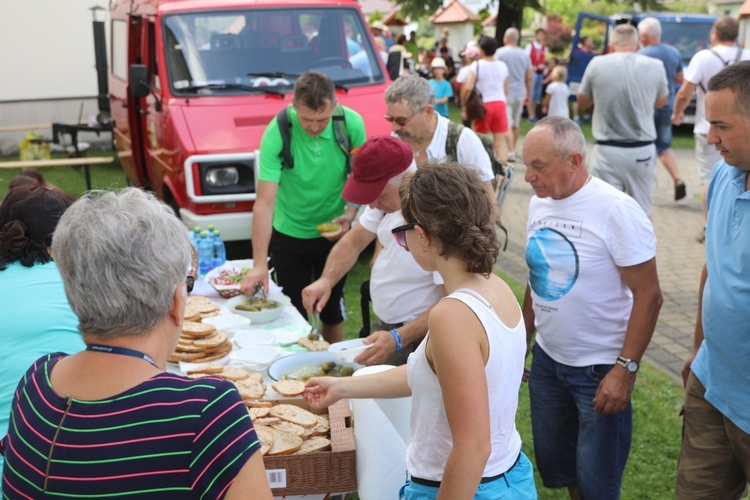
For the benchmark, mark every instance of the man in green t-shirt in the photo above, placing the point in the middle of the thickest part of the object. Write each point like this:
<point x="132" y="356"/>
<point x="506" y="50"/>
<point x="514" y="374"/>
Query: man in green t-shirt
<point x="291" y="202"/>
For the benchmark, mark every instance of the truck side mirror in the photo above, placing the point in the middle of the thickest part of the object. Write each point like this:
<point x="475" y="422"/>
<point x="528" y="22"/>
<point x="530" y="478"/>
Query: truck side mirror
<point x="394" y="64"/>
<point x="138" y="79"/>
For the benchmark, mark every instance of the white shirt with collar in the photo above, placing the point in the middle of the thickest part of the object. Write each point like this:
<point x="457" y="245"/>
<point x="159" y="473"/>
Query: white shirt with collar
<point x="469" y="149"/>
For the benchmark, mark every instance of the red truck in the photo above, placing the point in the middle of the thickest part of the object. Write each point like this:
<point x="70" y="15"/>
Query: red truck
<point x="193" y="84"/>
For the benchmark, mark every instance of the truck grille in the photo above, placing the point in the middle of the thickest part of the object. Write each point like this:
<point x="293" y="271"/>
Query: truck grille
<point x="252" y="121"/>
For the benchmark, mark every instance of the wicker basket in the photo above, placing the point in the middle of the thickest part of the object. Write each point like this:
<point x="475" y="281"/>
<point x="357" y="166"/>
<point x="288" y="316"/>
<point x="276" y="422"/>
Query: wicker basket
<point x="227" y="291"/>
<point x="321" y="472"/>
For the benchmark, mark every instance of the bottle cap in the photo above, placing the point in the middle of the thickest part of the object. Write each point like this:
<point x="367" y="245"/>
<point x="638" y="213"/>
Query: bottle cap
<point x="204" y="234"/>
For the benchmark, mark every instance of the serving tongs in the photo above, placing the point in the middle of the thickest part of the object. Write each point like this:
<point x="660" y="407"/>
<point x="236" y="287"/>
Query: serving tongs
<point x="315" y="322"/>
<point x="258" y="294"/>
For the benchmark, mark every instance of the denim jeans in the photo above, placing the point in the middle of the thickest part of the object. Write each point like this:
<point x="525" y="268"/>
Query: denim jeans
<point x="575" y="446"/>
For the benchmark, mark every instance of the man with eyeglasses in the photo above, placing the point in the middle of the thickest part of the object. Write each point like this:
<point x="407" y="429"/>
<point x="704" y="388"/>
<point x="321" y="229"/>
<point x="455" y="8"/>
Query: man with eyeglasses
<point x="592" y="298"/>
<point x="291" y="202"/>
<point x="402" y="292"/>
<point x="411" y="112"/>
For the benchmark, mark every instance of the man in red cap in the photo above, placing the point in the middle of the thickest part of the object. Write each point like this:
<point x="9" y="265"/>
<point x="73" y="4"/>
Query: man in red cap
<point x="402" y="292"/>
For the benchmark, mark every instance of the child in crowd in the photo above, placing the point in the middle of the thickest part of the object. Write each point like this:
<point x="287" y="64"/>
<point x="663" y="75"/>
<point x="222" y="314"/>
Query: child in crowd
<point x="557" y="94"/>
<point x="441" y="86"/>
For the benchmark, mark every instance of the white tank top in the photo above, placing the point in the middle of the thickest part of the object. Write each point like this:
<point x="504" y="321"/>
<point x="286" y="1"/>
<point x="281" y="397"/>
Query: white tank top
<point x="431" y="440"/>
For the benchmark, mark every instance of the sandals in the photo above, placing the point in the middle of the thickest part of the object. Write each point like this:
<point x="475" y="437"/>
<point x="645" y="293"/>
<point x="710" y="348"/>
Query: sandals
<point x="680" y="190"/>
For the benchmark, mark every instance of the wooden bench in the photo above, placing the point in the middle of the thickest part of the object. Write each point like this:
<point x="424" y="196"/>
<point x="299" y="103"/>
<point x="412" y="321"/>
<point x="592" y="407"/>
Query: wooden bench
<point x="62" y="162"/>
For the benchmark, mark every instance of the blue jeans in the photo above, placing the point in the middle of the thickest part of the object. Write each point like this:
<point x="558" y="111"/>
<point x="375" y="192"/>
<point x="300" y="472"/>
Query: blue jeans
<point x="536" y="86"/>
<point x="516" y="484"/>
<point x="575" y="446"/>
<point x="663" y="123"/>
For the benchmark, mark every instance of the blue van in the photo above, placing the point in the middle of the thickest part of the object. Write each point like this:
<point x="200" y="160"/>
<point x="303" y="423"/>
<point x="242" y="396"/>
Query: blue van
<point x="688" y="33"/>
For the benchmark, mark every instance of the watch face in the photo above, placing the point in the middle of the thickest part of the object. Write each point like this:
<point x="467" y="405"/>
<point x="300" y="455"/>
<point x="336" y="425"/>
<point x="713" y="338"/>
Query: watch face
<point x="631" y="366"/>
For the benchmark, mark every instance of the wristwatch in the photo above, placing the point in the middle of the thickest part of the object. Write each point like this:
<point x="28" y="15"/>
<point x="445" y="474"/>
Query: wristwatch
<point x="630" y="365"/>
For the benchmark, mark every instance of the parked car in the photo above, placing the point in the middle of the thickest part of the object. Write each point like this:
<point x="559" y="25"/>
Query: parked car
<point x="689" y="33"/>
<point x="194" y="83"/>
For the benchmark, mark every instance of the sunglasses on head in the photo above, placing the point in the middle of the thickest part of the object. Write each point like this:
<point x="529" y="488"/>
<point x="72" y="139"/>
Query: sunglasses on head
<point x="399" y="233"/>
<point x="189" y="283"/>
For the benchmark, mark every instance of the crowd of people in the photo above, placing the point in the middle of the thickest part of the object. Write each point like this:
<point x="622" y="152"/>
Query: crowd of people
<point x="95" y="288"/>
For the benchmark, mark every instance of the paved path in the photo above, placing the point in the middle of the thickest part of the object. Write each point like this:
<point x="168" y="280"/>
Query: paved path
<point x="679" y="257"/>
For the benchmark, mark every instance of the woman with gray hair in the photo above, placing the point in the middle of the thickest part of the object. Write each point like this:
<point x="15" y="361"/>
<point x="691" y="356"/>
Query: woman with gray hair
<point x="108" y="421"/>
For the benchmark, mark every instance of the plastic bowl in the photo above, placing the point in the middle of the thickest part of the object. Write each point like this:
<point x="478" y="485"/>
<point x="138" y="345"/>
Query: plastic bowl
<point x="228" y="323"/>
<point x="345" y="352"/>
<point x="264" y="316"/>
<point x="284" y="365"/>
<point x="244" y="338"/>
<point x="256" y="357"/>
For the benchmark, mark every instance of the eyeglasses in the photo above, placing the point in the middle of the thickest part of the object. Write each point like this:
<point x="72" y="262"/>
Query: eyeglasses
<point x="400" y="120"/>
<point x="399" y="233"/>
<point x="189" y="283"/>
<point x="625" y="20"/>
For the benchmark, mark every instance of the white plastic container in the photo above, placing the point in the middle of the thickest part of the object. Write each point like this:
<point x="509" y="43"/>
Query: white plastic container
<point x="257" y="357"/>
<point x="345" y="352"/>
<point x="228" y="323"/>
<point x="245" y="338"/>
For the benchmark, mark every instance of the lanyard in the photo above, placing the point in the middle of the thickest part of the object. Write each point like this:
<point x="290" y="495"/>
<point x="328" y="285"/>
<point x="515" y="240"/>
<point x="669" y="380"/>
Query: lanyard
<point x="123" y="351"/>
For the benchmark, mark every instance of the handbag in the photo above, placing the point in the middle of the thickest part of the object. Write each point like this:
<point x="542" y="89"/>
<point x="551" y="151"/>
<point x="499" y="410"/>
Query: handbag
<point x="475" y="109"/>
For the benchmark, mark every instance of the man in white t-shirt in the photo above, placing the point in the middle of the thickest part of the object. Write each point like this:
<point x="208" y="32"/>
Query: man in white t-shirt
<point x="593" y="299"/>
<point x="402" y="292"/>
<point x="411" y="111"/>
<point x="702" y="67"/>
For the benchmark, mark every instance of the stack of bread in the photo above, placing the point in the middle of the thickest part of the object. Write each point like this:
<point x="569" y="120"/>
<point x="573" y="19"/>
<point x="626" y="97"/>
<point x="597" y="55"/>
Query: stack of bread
<point x="200" y="342"/>
<point x="283" y="429"/>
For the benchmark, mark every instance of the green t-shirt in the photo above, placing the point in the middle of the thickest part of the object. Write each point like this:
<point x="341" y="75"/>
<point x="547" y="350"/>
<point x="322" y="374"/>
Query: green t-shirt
<point x="414" y="49"/>
<point x="310" y="193"/>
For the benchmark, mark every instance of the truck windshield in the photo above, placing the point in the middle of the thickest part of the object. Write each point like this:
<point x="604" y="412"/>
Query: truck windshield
<point x="687" y="37"/>
<point x="230" y="52"/>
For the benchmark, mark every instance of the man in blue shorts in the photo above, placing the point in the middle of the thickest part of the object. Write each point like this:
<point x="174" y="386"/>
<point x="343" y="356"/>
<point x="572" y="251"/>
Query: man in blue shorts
<point x="650" y="34"/>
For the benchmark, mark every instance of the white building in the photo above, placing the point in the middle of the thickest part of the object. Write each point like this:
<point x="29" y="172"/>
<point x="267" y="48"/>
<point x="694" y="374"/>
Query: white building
<point x="48" y="66"/>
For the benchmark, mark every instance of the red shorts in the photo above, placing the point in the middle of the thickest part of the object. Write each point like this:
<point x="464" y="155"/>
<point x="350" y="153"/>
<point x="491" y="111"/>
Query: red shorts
<point x="496" y="119"/>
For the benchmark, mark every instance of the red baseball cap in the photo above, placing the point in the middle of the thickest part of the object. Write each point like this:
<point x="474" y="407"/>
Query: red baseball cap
<point x="376" y="162"/>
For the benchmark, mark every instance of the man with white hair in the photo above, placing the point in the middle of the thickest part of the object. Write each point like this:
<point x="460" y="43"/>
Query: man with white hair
<point x="520" y="77"/>
<point x="625" y="88"/>
<point x="402" y="292"/>
<point x="650" y="34"/>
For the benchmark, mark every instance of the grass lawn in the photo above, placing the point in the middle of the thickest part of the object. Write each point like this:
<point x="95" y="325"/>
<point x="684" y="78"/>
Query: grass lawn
<point x="71" y="179"/>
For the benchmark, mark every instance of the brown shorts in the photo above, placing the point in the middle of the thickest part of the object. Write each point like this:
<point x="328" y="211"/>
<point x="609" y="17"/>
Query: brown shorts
<point x="715" y="456"/>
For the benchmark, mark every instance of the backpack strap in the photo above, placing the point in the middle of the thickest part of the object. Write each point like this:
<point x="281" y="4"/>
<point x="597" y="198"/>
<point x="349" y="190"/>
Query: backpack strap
<point x="451" y="140"/>
<point x="725" y="63"/>
<point x="738" y="56"/>
<point x="285" y="129"/>
<point x="341" y="136"/>
<point x="339" y="131"/>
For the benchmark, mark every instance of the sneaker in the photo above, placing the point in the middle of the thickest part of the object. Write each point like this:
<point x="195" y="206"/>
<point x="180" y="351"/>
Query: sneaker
<point x="587" y="119"/>
<point x="578" y="121"/>
<point x="533" y="119"/>
<point x="512" y="156"/>
<point x="680" y="190"/>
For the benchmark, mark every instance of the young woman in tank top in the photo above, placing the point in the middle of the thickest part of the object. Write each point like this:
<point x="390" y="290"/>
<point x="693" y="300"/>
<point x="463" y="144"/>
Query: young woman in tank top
<point x="465" y="376"/>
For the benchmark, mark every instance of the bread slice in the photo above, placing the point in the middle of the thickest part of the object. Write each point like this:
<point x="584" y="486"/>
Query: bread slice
<point x="250" y="389"/>
<point x="289" y="427"/>
<point x="295" y="415"/>
<point x="259" y="404"/>
<point x="233" y="374"/>
<point x="289" y="388"/>
<point x="269" y="422"/>
<point x="256" y="413"/>
<point x="315" y="443"/>
<point x="193" y="329"/>
<point x="313" y="345"/>
<point x="284" y="443"/>
<point x="265" y="435"/>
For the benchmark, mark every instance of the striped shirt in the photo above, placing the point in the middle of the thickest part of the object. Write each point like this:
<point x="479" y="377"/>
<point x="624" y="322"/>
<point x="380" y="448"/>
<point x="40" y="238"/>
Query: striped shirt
<point x="168" y="437"/>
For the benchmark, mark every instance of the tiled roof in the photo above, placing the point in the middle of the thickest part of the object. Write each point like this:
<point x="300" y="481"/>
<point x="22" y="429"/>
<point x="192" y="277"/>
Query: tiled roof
<point x="745" y="9"/>
<point x="394" y="19"/>
<point x="454" y="12"/>
<point x="490" y="21"/>
<point x="370" y="6"/>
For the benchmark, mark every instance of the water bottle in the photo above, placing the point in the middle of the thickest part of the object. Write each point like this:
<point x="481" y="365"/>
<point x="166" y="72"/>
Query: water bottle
<point x="195" y="236"/>
<point x="205" y="255"/>
<point x="220" y="252"/>
<point x="210" y="235"/>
